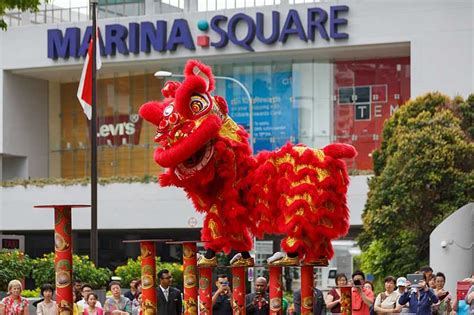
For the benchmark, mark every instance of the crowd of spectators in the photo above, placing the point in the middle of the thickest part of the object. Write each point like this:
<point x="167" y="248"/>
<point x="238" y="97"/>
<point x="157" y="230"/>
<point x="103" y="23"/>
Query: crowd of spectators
<point x="86" y="301"/>
<point x="426" y="296"/>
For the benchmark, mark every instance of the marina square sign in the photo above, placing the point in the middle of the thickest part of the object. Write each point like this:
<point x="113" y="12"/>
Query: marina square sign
<point x="163" y="36"/>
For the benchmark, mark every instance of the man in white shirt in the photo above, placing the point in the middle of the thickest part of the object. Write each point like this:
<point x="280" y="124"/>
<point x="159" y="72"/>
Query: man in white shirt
<point x="85" y="290"/>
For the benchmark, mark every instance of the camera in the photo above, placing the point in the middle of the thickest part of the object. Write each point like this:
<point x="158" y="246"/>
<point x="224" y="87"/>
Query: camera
<point x="357" y="282"/>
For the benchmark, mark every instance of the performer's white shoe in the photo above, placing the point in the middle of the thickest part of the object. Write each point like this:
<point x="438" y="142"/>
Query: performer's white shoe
<point x="275" y="257"/>
<point x="235" y="258"/>
<point x="239" y="261"/>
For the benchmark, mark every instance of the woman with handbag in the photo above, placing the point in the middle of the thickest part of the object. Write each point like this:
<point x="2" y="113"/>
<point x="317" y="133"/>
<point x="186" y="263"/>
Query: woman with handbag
<point x="333" y="298"/>
<point x="386" y="302"/>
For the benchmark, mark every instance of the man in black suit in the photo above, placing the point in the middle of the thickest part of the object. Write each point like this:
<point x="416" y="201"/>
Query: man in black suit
<point x="169" y="298"/>
<point x="258" y="303"/>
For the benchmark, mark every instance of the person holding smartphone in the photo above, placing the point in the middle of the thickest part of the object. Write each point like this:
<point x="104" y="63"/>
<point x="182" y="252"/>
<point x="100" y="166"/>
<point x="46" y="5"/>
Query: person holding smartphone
<point x="420" y="297"/>
<point x="362" y="298"/>
<point x="222" y="297"/>
<point x="444" y="305"/>
<point x="258" y="303"/>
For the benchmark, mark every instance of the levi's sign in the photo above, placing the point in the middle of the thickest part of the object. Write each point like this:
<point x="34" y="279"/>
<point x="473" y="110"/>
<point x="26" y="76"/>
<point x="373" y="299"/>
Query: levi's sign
<point x="118" y="130"/>
<point x="240" y="29"/>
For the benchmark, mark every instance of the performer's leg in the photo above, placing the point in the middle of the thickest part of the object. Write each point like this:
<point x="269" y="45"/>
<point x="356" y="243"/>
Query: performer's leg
<point x="245" y="255"/>
<point x="241" y="241"/>
<point x="209" y="253"/>
<point x="214" y="241"/>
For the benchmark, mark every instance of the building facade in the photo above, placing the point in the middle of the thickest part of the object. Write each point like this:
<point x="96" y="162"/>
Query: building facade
<point x="317" y="72"/>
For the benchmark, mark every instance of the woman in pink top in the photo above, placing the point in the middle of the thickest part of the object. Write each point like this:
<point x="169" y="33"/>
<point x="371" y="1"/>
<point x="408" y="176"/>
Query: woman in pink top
<point x="14" y="304"/>
<point x="91" y="309"/>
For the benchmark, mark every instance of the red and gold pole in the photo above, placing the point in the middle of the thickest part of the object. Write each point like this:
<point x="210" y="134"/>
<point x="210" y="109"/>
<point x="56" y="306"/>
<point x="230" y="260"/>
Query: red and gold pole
<point x="346" y="300"/>
<point x="238" y="290"/>
<point x="148" y="270"/>
<point x="190" y="279"/>
<point x="306" y="290"/>
<point x="63" y="256"/>
<point x="63" y="259"/>
<point x="205" y="291"/>
<point x="276" y="292"/>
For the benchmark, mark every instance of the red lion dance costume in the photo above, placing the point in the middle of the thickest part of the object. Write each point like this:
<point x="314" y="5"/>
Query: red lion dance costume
<point x="296" y="191"/>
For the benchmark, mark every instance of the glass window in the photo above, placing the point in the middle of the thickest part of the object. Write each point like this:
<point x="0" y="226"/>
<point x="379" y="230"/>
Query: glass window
<point x="308" y="102"/>
<point x="125" y="143"/>
<point x="120" y="8"/>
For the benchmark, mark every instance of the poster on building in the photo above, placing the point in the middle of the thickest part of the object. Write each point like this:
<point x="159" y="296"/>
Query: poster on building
<point x="275" y="114"/>
<point x="366" y="94"/>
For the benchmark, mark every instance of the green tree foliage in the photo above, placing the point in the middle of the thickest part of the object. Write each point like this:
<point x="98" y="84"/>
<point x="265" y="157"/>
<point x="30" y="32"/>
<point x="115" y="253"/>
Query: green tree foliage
<point x="83" y="269"/>
<point x="13" y="265"/>
<point x="132" y="270"/>
<point x="16" y="5"/>
<point x="423" y="173"/>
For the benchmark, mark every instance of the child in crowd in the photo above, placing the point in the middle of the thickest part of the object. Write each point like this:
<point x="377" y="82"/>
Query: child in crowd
<point x="47" y="306"/>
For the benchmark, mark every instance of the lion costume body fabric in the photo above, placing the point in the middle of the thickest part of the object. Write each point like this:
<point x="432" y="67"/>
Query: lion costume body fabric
<point x="295" y="191"/>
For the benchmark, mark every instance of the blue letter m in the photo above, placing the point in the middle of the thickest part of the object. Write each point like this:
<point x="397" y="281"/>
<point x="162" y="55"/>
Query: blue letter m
<point x="59" y="46"/>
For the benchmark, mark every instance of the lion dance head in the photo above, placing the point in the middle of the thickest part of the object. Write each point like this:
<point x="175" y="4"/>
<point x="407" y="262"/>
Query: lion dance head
<point x="192" y="128"/>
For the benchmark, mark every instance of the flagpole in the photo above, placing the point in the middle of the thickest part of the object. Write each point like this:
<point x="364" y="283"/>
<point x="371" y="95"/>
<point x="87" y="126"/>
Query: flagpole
<point x="94" y="252"/>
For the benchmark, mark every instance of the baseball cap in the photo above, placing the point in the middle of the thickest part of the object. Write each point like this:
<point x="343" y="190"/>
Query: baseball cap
<point x="401" y="282"/>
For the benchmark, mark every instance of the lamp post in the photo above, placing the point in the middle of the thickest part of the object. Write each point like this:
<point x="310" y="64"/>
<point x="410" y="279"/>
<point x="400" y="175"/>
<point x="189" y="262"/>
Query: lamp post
<point x="167" y="74"/>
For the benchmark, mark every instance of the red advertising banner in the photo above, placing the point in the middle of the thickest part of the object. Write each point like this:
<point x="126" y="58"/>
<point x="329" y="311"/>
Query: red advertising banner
<point x="366" y="93"/>
<point x="118" y="130"/>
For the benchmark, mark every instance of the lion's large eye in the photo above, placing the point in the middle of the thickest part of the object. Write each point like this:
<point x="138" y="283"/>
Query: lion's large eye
<point x="199" y="103"/>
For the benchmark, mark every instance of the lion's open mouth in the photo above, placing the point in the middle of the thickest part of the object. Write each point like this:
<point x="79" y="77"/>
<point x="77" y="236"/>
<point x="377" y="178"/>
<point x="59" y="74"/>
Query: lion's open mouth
<point x="193" y="151"/>
<point x="195" y="162"/>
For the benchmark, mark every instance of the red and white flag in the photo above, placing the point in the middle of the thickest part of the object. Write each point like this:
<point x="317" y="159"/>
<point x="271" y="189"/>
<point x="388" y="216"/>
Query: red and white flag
<point x="84" y="92"/>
